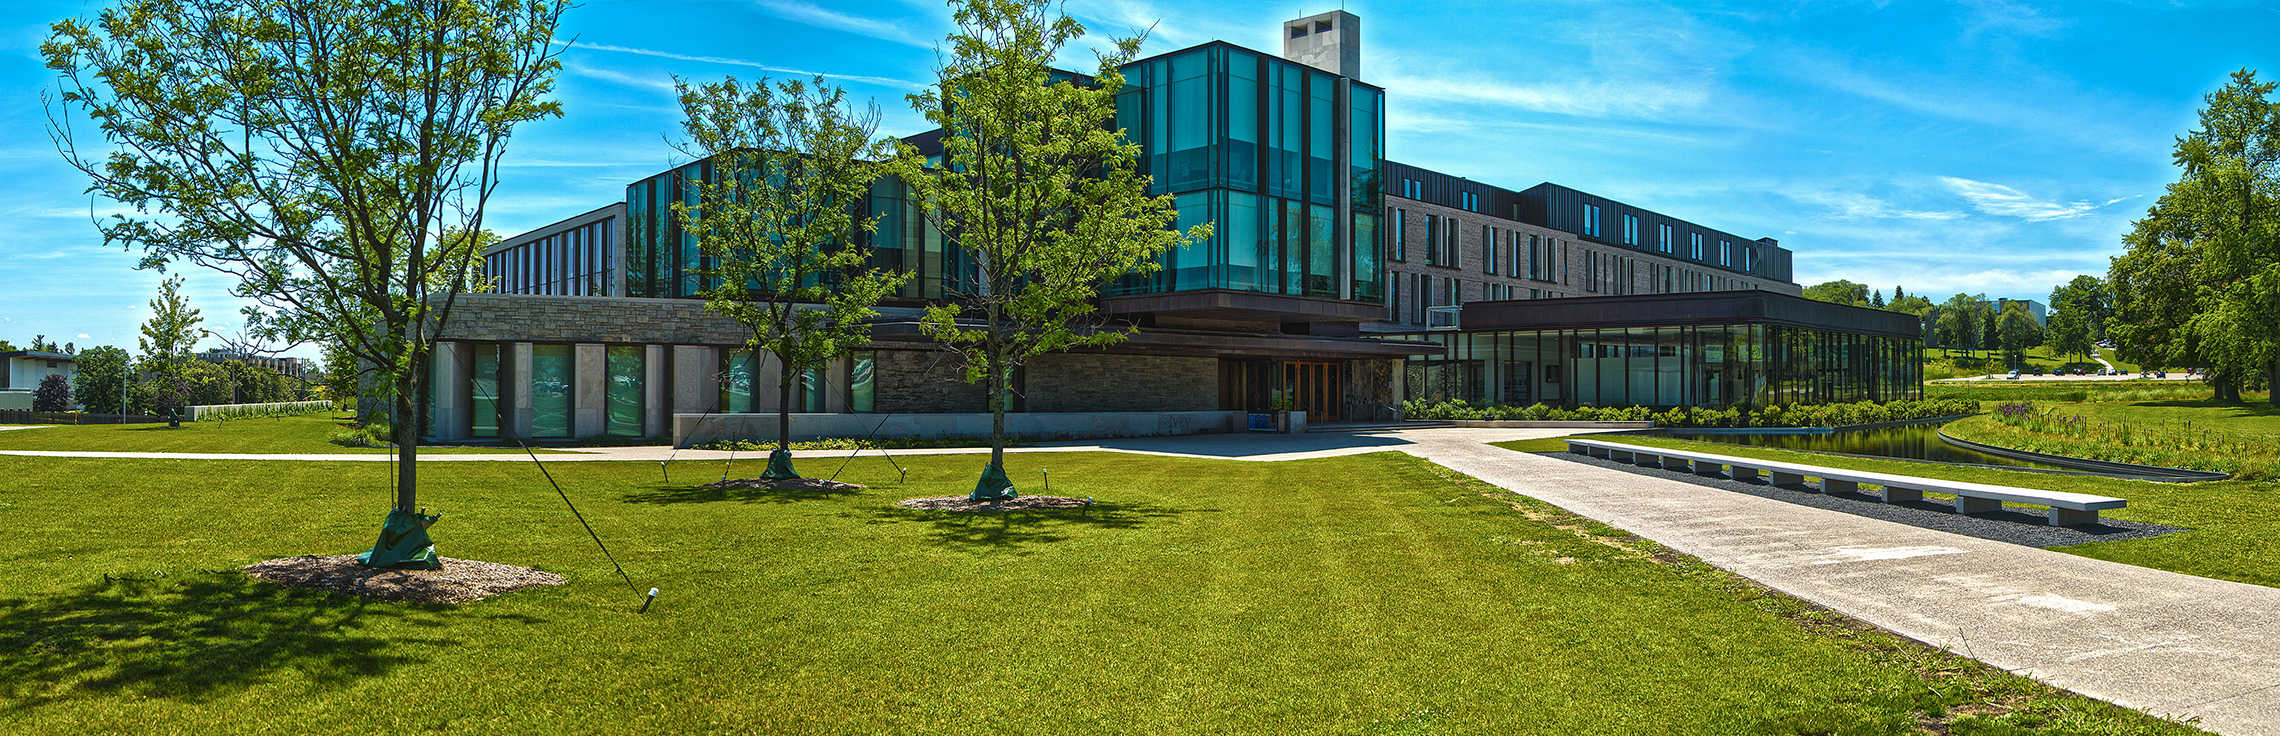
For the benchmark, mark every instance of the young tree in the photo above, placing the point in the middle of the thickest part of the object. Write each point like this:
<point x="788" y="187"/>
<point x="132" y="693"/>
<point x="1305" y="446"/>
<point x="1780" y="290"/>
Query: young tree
<point x="2017" y="331"/>
<point x="100" y="383"/>
<point x="53" y="394"/>
<point x="792" y="164"/>
<point x="1959" y="322"/>
<point x="328" y="153"/>
<point x="1040" y="191"/>
<point x="2200" y="283"/>
<point x="40" y="344"/>
<point x="2078" y="310"/>
<point x="1990" y="327"/>
<point x="1876" y="299"/>
<point x="167" y="339"/>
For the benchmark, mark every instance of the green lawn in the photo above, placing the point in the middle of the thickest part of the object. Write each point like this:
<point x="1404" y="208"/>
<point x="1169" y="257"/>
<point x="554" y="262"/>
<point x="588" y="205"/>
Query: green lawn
<point x="305" y="434"/>
<point x="1939" y="363"/>
<point x="2233" y="526"/>
<point x="1363" y="594"/>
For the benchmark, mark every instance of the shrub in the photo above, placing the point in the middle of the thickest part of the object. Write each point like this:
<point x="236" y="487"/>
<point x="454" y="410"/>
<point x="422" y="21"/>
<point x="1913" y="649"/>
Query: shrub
<point x="368" y="434"/>
<point x="53" y="394"/>
<point x="1779" y="415"/>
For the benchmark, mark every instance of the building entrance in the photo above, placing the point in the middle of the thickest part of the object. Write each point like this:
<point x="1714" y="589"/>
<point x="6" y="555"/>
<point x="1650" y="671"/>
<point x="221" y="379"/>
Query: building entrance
<point x="1316" y="388"/>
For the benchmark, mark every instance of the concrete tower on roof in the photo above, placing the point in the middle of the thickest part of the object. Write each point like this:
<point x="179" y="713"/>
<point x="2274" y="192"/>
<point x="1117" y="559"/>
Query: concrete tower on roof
<point x="1330" y="41"/>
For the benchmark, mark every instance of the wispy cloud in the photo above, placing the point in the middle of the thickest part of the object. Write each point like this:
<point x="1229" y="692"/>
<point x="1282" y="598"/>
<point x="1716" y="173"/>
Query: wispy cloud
<point x="1997" y="199"/>
<point x="729" y="61"/>
<point x="661" y="84"/>
<point x="1599" y="99"/>
<point x="1846" y="205"/>
<point x="808" y="14"/>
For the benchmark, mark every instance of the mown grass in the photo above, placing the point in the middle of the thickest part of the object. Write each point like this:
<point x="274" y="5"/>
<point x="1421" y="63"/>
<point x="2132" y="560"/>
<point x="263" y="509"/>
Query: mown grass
<point x="1362" y="594"/>
<point x="304" y="434"/>
<point x="2232" y="526"/>
<point x="1940" y="363"/>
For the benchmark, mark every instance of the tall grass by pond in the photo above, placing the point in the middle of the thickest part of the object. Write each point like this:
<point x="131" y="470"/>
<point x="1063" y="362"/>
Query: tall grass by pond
<point x="1791" y="415"/>
<point x="2101" y="391"/>
<point x="2075" y="432"/>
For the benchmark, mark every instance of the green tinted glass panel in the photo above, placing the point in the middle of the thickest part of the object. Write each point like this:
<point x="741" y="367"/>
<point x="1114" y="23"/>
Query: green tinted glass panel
<point x="550" y="375"/>
<point x="862" y="384"/>
<point x="812" y="390"/>
<point x="627" y="372"/>
<point x="1322" y="251"/>
<point x="1369" y="275"/>
<point x="736" y="381"/>
<point x="483" y="388"/>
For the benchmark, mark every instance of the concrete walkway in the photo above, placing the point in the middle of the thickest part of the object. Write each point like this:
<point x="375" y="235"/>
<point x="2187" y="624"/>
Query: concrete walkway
<point x="2162" y="642"/>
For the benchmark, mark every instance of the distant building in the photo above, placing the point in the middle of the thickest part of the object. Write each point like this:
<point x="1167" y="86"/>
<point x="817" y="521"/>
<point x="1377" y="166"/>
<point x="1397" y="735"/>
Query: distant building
<point x="22" y="370"/>
<point x="294" y="368"/>
<point x="2034" y="308"/>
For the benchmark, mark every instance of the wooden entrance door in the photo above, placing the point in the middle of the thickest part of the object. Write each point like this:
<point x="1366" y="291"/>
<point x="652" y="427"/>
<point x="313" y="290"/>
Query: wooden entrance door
<point x="1315" y="388"/>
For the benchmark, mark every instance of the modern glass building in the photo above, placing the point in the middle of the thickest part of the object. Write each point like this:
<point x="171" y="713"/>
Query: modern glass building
<point x="1717" y="349"/>
<point x="1313" y="293"/>
<point x="1285" y="159"/>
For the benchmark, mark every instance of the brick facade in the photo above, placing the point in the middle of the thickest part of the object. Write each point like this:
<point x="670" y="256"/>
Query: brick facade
<point x="1567" y="270"/>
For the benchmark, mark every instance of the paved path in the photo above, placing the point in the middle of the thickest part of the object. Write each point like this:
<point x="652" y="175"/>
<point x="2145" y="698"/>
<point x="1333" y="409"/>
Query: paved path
<point x="2158" y="641"/>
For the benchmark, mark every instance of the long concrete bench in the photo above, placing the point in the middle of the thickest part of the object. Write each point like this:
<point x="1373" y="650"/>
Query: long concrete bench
<point x="2066" y="509"/>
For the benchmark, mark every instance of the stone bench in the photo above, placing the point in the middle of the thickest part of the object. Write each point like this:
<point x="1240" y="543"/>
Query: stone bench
<point x="2066" y="509"/>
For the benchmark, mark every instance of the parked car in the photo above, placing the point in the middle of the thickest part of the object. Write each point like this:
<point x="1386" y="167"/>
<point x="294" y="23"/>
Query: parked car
<point x="2161" y="374"/>
<point x="2013" y="377"/>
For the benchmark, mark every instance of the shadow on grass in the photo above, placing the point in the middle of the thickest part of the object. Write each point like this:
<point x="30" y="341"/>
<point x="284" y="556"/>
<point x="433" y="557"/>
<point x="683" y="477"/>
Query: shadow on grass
<point x="1016" y="529"/>
<point x="701" y="494"/>
<point x="192" y="637"/>
<point x="2257" y="408"/>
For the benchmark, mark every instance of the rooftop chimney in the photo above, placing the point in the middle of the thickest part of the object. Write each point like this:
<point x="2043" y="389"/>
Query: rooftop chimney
<point x="1331" y="42"/>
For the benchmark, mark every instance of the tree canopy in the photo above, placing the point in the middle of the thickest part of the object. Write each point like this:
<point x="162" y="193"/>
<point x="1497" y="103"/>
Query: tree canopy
<point x="1040" y="192"/>
<point x="2200" y="282"/>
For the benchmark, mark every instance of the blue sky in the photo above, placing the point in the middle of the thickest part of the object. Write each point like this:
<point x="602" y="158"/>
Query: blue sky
<point x="1995" y="146"/>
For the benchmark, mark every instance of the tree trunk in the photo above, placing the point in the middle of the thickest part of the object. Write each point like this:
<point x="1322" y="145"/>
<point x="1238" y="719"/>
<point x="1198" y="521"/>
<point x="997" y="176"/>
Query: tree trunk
<point x="407" y="431"/>
<point x="2272" y="383"/>
<point x="783" y="405"/>
<point x="999" y="384"/>
<point x="2227" y="387"/>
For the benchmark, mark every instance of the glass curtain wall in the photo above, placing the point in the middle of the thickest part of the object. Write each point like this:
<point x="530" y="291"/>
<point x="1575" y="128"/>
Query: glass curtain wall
<point x="483" y="390"/>
<point x="550" y="382"/>
<point x="1251" y="143"/>
<point x="1710" y="366"/>
<point x="627" y="373"/>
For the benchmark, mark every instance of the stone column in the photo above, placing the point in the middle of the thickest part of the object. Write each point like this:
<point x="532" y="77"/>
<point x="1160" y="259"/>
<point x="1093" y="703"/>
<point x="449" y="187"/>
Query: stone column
<point x="447" y="382"/>
<point x="656" y="406"/>
<point x="695" y="389"/>
<point x="835" y="382"/>
<point x="518" y="376"/>
<point x="589" y="397"/>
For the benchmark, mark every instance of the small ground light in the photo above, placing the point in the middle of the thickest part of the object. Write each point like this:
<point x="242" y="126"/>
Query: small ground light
<point x="652" y="598"/>
<point x="1048" y="477"/>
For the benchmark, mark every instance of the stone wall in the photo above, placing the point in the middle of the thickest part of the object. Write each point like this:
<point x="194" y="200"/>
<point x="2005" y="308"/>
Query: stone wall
<point x="1372" y="394"/>
<point x="924" y="382"/>
<point x="1097" y="382"/>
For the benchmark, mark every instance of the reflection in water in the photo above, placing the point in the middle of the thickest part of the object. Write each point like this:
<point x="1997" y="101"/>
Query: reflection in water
<point x="1910" y="441"/>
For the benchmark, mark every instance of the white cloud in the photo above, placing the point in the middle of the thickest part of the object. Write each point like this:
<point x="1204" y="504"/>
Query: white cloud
<point x="1997" y="199"/>
<point x="729" y="61"/>
<point x="1858" y="206"/>
<point x="1593" y="99"/>
<point x="808" y="14"/>
<point x="82" y="336"/>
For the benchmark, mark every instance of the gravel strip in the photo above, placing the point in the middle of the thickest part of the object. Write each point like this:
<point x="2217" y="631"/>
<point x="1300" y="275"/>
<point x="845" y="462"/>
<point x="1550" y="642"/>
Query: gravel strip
<point x="1018" y="503"/>
<point x="460" y="581"/>
<point x="2024" y="525"/>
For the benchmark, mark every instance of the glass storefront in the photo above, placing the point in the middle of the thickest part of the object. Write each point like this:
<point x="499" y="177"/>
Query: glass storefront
<point x="1713" y="366"/>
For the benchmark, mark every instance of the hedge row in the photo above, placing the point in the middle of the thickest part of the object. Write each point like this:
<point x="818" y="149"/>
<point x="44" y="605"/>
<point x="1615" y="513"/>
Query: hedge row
<point x="1793" y="415"/>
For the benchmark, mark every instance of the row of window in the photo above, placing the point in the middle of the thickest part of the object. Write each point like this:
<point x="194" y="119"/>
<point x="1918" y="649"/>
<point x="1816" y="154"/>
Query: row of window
<point x="1665" y="240"/>
<point x="1426" y="291"/>
<point x="572" y="262"/>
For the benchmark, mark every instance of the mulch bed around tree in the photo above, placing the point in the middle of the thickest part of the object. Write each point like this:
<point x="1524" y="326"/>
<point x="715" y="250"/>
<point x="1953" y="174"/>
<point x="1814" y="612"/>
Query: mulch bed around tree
<point x="787" y="484"/>
<point x="1017" y="503"/>
<point x="460" y="581"/>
